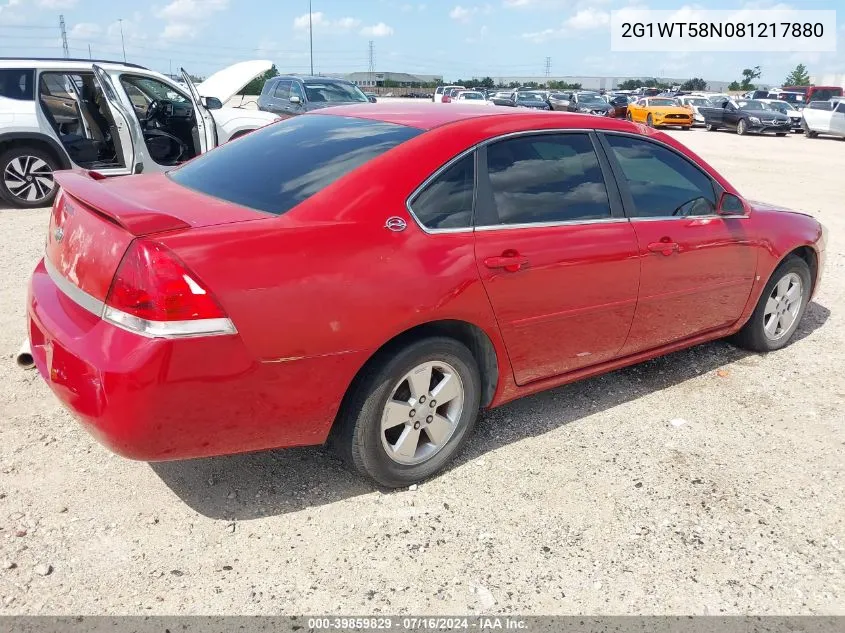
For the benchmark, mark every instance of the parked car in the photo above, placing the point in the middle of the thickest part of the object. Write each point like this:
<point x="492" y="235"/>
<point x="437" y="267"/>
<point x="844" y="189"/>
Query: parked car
<point x="503" y="98"/>
<point x="471" y="97"/>
<point x="816" y="93"/>
<point x="746" y="116"/>
<point x="824" y="117"/>
<point x="589" y="103"/>
<point x="290" y="95"/>
<point x="236" y="312"/>
<point x="560" y="101"/>
<point x="786" y="108"/>
<point x="115" y="118"/>
<point x="795" y="98"/>
<point x="372" y="97"/>
<point x="442" y="90"/>
<point x="659" y="112"/>
<point x="618" y="106"/>
<point x="531" y="100"/>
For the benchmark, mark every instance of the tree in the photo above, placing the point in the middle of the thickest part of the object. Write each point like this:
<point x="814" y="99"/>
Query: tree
<point x="748" y="75"/>
<point x="487" y="82"/>
<point x="798" y="77"/>
<point x="255" y="86"/>
<point x="562" y="85"/>
<point x="734" y="86"/>
<point x="694" y="84"/>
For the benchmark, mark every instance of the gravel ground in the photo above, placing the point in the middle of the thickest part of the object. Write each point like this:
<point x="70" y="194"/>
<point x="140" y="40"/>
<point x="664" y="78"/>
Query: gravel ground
<point x="709" y="481"/>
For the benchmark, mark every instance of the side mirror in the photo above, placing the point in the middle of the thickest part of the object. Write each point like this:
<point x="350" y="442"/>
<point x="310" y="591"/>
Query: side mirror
<point x="372" y="99"/>
<point x="296" y="100"/>
<point x="212" y="103"/>
<point x="730" y="204"/>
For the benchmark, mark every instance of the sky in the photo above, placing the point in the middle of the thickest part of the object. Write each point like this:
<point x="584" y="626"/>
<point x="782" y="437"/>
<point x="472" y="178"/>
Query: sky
<point x="455" y="39"/>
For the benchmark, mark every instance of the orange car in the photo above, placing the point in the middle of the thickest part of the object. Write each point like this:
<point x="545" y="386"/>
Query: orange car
<point x="660" y="111"/>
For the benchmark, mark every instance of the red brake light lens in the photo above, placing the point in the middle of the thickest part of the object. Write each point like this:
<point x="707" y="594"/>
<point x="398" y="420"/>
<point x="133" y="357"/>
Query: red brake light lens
<point x="154" y="293"/>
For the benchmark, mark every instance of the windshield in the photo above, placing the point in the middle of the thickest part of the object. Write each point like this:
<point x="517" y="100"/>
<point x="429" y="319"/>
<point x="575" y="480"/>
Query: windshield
<point x="752" y="105"/>
<point x="278" y="166"/>
<point x="333" y="92"/>
<point x="590" y="99"/>
<point x="781" y="106"/>
<point x="791" y="97"/>
<point x="662" y="102"/>
<point x="527" y="96"/>
<point x="153" y="89"/>
<point x="698" y="101"/>
<point x="472" y="95"/>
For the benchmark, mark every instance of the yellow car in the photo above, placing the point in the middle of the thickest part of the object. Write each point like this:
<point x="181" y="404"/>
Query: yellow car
<point x="660" y="111"/>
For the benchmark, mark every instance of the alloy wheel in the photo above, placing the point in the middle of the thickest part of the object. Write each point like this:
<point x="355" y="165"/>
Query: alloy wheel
<point x="783" y="307"/>
<point x="422" y="413"/>
<point x="29" y="178"/>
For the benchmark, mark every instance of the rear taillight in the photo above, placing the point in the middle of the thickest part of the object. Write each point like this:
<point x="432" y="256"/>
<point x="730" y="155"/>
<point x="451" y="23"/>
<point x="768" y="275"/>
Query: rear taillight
<point x="447" y="99"/>
<point x="154" y="294"/>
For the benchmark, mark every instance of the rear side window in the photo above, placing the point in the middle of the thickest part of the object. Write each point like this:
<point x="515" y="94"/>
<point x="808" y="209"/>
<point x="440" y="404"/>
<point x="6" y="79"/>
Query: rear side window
<point x="275" y="168"/>
<point x="17" y="83"/>
<point x="820" y="105"/>
<point x="446" y="202"/>
<point x="662" y="183"/>
<point x="841" y="107"/>
<point x="546" y="178"/>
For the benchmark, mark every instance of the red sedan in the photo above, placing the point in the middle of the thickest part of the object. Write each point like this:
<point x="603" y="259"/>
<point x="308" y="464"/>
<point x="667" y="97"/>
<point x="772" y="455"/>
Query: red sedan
<point x="374" y="275"/>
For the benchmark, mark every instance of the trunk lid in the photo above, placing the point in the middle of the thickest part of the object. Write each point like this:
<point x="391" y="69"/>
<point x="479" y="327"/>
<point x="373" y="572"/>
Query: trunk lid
<point x="94" y="221"/>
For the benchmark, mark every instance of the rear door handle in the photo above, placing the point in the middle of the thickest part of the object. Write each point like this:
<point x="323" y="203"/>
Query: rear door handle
<point x="667" y="248"/>
<point x="511" y="261"/>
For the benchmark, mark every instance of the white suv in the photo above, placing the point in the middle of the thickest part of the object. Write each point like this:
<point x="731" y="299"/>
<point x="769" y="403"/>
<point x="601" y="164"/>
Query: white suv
<point x="113" y="118"/>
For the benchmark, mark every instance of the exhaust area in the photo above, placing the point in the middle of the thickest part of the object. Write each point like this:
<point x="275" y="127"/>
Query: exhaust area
<point x="24" y="356"/>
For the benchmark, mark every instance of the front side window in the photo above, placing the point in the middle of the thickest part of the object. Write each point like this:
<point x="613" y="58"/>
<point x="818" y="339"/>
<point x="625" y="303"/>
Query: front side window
<point x="546" y="178"/>
<point x="446" y="202"/>
<point x="333" y="91"/>
<point x="278" y="166"/>
<point x="662" y="183"/>
<point x="17" y="83"/>
<point x="296" y="90"/>
<point x="282" y="90"/>
<point x="841" y="107"/>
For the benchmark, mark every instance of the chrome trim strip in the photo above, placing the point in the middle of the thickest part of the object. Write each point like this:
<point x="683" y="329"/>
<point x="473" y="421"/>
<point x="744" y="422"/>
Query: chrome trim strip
<point x="168" y="329"/>
<point x="130" y="323"/>
<point x="427" y="181"/>
<point x="663" y="218"/>
<point x="543" y="225"/>
<point x="73" y="292"/>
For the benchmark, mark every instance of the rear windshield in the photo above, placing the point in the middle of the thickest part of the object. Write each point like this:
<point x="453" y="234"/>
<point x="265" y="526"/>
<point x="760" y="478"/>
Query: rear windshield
<point x="277" y="167"/>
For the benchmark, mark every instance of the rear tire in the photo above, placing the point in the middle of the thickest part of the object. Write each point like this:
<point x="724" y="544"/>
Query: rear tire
<point x="685" y="127"/>
<point x="780" y="133"/>
<point x="26" y="177"/>
<point x="776" y="303"/>
<point x="629" y="117"/>
<point x="382" y="430"/>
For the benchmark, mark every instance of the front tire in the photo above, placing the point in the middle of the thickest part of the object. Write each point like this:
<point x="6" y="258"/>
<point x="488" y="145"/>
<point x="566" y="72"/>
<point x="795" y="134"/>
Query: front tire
<point x="411" y="412"/>
<point x="710" y="127"/>
<point x="780" y="308"/>
<point x="649" y="121"/>
<point x="26" y="177"/>
<point x="742" y="127"/>
<point x="780" y="134"/>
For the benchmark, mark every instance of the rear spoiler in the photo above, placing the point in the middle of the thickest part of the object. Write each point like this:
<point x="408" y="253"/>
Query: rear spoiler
<point x="84" y="186"/>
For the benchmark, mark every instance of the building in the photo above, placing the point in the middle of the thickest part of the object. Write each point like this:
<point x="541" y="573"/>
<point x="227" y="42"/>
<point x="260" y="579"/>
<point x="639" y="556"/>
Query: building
<point x="828" y="80"/>
<point x="398" y="80"/>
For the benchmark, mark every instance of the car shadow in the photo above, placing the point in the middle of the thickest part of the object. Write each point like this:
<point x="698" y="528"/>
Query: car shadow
<point x="270" y="483"/>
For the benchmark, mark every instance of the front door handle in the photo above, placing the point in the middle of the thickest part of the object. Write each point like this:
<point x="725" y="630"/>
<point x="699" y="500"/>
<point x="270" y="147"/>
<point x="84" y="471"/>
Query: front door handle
<point x="666" y="247"/>
<point x="511" y="261"/>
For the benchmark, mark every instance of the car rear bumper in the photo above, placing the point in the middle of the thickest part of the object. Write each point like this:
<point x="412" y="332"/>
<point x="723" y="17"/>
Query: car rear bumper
<point x="157" y="399"/>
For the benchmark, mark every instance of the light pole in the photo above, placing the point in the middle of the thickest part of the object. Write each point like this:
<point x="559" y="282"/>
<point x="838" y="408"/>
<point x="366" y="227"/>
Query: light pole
<point x="122" y="43"/>
<point x="310" y="37"/>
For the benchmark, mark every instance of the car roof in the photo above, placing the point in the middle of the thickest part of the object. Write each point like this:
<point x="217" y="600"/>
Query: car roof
<point x="60" y="62"/>
<point x="427" y="116"/>
<point x="311" y="78"/>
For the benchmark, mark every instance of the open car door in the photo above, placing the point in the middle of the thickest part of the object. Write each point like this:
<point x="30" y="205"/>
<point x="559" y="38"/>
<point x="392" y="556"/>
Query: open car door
<point x="129" y="136"/>
<point x="206" y="126"/>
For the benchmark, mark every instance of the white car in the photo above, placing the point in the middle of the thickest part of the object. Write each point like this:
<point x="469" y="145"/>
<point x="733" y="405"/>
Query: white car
<point x="471" y="97"/>
<point x="113" y="118"/>
<point x="443" y="90"/>
<point x="784" y="107"/>
<point x="695" y="102"/>
<point x="824" y="117"/>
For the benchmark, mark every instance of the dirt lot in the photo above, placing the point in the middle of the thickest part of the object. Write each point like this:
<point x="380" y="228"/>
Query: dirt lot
<point x="710" y="481"/>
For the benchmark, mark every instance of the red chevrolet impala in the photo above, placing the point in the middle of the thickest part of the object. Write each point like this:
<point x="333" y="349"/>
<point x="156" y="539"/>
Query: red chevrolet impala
<point x="374" y="275"/>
